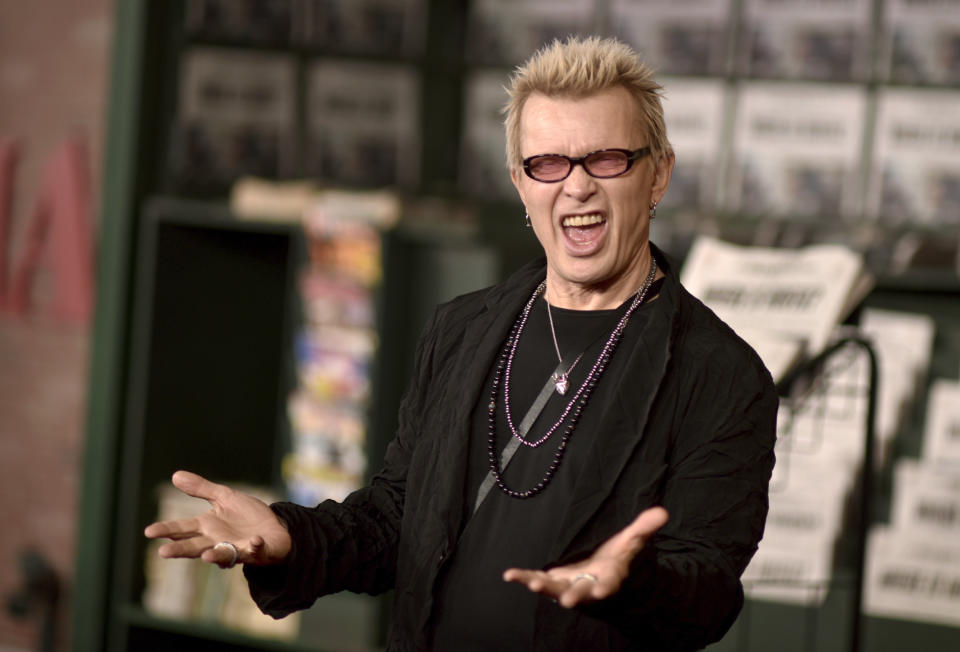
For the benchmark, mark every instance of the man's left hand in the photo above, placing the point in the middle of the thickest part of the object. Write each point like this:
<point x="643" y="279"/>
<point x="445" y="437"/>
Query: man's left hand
<point x="601" y="574"/>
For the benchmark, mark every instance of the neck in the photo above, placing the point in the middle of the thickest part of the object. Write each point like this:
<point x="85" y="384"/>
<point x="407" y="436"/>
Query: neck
<point x="606" y="295"/>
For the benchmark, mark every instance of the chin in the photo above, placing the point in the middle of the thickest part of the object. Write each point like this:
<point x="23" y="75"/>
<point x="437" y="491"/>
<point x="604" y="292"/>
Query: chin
<point x="585" y="279"/>
<point x="585" y="272"/>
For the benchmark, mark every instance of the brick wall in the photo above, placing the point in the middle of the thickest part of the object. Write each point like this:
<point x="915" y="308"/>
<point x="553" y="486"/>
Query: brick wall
<point x="53" y="84"/>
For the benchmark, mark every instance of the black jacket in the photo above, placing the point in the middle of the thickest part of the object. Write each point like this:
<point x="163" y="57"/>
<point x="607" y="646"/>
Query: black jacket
<point x="700" y="443"/>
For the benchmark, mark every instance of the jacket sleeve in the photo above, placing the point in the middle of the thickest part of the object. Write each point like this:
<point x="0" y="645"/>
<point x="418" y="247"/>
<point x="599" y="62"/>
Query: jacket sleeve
<point x="684" y="589"/>
<point x="350" y="545"/>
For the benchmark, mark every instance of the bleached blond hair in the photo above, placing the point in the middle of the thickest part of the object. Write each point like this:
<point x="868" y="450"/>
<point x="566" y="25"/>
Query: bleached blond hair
<point x="580" y="67"/>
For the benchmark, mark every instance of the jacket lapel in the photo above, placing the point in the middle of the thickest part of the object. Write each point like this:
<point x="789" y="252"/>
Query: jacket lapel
<point x="622" y="428"/>
<point x="482" y="340"/>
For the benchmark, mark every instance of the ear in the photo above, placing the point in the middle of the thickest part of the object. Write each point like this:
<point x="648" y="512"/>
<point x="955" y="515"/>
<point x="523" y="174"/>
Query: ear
<point x="516" y="177"/>
<point x="661" y="178"/>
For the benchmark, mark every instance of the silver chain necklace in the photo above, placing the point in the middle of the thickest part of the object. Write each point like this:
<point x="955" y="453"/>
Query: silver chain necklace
<point x="561" y="378"/>
<point x="588" y="383"/>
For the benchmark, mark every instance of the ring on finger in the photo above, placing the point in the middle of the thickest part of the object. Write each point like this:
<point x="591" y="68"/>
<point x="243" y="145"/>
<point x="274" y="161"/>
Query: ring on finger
<point x="583" y="576"/>
<point x="233" y="549"/>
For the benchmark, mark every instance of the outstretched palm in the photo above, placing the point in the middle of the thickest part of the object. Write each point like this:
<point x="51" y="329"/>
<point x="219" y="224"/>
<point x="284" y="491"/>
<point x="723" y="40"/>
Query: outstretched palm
<point x="235" y="517"/>
<point x="600" y="575"/>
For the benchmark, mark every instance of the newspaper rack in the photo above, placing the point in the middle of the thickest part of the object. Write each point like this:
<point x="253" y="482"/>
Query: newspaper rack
<point x="802" y="384"/>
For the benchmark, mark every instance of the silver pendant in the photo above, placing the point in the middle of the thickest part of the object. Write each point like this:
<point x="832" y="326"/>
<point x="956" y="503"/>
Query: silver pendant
<point x="560" y="383"/>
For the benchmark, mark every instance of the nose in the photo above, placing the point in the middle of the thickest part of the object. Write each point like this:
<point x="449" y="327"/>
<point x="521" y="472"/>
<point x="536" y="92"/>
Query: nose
<point x="579" y="184"/>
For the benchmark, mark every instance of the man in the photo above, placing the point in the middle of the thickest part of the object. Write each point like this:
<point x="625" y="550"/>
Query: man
<point x="584" y="450"/>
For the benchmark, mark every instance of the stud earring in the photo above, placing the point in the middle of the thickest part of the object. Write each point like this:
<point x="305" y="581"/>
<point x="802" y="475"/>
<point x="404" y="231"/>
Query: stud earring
<point x="653" y="210"/>
<point x="526" y="216"/>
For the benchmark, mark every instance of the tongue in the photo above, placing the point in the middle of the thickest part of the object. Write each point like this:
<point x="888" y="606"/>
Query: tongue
<point x="581" y="234"/>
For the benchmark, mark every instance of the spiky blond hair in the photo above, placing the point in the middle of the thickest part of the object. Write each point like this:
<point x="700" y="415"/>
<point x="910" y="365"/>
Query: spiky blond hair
<point x="580" y="67"/>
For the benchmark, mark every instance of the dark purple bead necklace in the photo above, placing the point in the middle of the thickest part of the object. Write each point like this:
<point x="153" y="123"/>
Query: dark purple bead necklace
<point x="573" y="409"/>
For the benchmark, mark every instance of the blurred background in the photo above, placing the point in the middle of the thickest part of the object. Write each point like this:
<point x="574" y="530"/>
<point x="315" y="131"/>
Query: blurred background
<point x="223" y="223"/>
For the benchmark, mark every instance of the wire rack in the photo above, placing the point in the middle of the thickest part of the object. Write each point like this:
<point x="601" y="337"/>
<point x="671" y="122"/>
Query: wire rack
<point x="828" y="413"/>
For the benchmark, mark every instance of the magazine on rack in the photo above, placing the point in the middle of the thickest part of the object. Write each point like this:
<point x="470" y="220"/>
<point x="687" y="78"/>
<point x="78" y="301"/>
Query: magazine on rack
<point x="676" y="38"/>
<point x="263" y="22"/>
<point x="388" y="27"/>
<point x="920" y="42"/>
<point x="807" y="39"/>
<point x="507" y="31"/>
<point x="797" y="150"/>
<point x="695" y="112"/>
<point x="483" y="170"/>
<point x="785" y="303"/>
<point x="363" y="123"/>
<point x="236" y="115"/>
<point x="915" y="171"/>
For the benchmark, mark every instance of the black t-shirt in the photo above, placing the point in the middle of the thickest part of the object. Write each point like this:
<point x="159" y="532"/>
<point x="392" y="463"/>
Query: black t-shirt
<point x="475" y="609"/>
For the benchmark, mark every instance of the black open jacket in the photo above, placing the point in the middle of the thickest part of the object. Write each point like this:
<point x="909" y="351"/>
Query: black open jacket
<point x="700" y="443"/>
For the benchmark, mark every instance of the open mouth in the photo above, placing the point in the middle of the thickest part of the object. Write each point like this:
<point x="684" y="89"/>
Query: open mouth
<point x="583" y="220"/>
<point x="583" y="234"/>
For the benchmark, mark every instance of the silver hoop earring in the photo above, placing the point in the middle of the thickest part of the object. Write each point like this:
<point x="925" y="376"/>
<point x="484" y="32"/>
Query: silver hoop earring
<point x="653" y="210"/>
<point x="526" y="216"/>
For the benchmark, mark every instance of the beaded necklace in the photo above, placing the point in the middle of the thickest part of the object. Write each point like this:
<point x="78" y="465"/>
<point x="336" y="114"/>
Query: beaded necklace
<point x="573" y="408"/>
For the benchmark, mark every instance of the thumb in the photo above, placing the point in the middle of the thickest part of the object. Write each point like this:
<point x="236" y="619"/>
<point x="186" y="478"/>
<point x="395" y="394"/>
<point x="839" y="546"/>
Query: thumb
<point x="644" y="526"/>
<point x="258" y="548"/>
<point x="197" y="486"/>
<point x="649" y="521"/>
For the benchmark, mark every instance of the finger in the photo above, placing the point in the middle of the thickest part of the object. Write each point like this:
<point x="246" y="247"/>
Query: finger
<point x="222" y="556"/>
<point x="520" y="575"/>
<point x="187" y="548"/>
<point x="632" y="537"/>
<point x="179" y="529"/>
<point x="537" y="581"/>
<point x="580" y="591"/>
<point x="198" y="486"/>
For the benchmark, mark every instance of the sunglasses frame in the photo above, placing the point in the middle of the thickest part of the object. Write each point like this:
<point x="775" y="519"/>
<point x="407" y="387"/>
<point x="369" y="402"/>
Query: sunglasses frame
<point x="631" y="154"/>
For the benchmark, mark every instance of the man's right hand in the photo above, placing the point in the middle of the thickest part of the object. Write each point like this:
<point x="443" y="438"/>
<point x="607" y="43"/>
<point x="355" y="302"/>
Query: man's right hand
<point x="235" y="517"/>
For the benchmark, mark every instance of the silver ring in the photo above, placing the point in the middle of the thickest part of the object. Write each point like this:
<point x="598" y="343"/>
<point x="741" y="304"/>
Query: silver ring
<point x="584" y="576"/>
<point x="227" y="544"/>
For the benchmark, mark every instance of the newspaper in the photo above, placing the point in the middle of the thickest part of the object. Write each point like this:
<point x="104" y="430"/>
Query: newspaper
<point x="903" y="342"/>
<point x="919" y="41"/>
<point x="363" y="123"/>
<point x="784" y="296"/>
<point x="797" y="150"/>
<point x="820" y="445"/>
<point x="915" y="168"/>
<point x="784" y="570"/>
<point x="236" y="115"/>
<point x="507" y="31"/>
<point x="805" y="465"/>
<point x="807" y="39"/>
<point x="926" y="499"/>
<point x="695" y="113"/>
<point x="912" y="577"/>
<point x="483" y="168"/>
<point x="676" y="38"/>
<point x="809" y="504"/>
<point x="913" y="565"/>
<point x="941" y="440"/>
<point x="827" y="422"/>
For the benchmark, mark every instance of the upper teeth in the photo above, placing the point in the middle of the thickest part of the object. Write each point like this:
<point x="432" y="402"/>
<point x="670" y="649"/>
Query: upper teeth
<point x="583" y="220"/>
